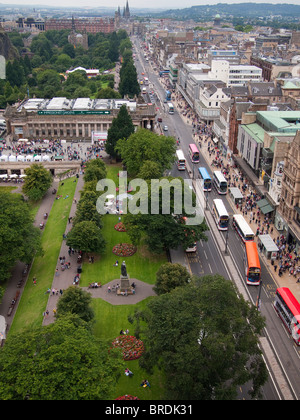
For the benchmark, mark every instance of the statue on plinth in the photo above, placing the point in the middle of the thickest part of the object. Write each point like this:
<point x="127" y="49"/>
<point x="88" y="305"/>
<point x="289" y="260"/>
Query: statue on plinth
<point x="125" y="284"/>
<point x="123" y="269"/>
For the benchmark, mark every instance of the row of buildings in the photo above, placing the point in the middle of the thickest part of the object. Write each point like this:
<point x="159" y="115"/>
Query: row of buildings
<point x="247" y="87"/>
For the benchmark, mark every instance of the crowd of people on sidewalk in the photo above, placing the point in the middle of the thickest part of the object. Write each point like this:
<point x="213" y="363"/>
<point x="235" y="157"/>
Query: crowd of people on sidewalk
<point x="287" y="260"/>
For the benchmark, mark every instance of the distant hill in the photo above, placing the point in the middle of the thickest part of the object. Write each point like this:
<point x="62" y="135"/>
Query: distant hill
<point x="246" y="10"/>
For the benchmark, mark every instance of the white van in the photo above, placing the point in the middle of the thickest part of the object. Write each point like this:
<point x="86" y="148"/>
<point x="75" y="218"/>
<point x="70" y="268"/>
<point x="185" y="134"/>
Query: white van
<point x="192" y="248"/>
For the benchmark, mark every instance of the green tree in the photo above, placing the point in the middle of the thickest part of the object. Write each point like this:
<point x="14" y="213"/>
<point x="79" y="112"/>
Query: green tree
<point x="86" y="209"/>
<point x="87" y="237"/>
<point x="76" y="301"/>
<point x="62" y="361"/>
<point x="19" y="239"/>
<point x="108" y="93"/>
<point x="121" y="128"/>
<point x="95" y="170"/>
<point x="205" y="338"/>
<point x="170" y="276"/>
<point x="48" y="79"/>
<point x="37" y="182"/>
<point x="161" y="222"/>
<point x="144" y="145"/>
<point x="129" y="84"/>
<point x="113" y="50"/>
<point x="150" y="170"/>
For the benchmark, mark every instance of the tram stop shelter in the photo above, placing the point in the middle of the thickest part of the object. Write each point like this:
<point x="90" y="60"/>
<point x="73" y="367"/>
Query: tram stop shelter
<point x="269" y="248"/>
<point x="236" y="195"/>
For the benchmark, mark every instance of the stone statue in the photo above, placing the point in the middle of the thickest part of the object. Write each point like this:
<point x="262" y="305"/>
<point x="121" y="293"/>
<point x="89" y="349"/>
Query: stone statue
<point x="123" y="269"/>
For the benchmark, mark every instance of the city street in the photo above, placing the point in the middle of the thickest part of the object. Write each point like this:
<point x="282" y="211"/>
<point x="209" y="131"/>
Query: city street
<point x="209" y="258"/>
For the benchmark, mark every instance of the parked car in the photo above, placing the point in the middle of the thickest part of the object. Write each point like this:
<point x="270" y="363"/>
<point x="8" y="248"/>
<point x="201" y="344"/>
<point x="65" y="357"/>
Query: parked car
<point x="166" y="128"/>
<point x="159" y="119"/>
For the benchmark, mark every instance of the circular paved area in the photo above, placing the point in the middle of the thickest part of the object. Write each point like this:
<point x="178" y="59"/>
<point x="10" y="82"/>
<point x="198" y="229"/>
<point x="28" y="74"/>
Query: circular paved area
<point x="142" y="291"/>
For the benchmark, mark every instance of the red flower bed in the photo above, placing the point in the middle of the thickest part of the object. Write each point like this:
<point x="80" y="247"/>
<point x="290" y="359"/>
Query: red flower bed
<point x="127" y="397"/>
<point x="124" y="250"/>
<point x="131" y="347"/>
<point x="120" y="227"/>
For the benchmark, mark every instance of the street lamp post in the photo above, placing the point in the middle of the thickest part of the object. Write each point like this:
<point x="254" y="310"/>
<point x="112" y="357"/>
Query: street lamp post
<point x="258" y="300"/>
<point x="226" y="238"/>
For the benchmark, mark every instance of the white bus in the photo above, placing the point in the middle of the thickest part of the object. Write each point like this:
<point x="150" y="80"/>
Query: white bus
<point x="220" y="214"/>
<point x="170" y="108"/>
<point x="242" y="228"/>
<point x="220" y="182"/>
<point x="181" y="162"/>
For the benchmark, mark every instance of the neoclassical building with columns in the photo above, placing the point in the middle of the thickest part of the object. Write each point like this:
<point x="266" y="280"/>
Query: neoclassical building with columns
<point x="72" y="119"/>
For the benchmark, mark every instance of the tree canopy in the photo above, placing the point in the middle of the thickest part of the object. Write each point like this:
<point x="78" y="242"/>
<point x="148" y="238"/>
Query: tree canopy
<point x="37" y="182"/>
<point x="61" y="361"/>
<point x="87" y="237"/>
<point x="205" y="339"/>
<point x="121" y="128"/>
<point x="145" y="145"/>
<point x="19" y="239"/>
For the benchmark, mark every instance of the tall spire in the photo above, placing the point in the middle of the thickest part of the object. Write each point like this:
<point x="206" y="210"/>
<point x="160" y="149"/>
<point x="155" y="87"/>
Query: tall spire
<point x="127" y="12"/>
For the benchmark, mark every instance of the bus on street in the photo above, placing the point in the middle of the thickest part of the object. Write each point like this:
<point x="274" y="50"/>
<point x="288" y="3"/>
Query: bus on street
<point x="164" y="73"/>
<point x="170" y="108"/>
<point x="242" y="228"/>
<point x="220" y="213"/>
<point x="220" y="182"/>
<point x="168" y="95"/>
<point x="288" y="309"/>
<point x="252" y="264"/>
<point x="194" y="153"/>
<point x="181" y="162"/>
<point x="204" y="175"/>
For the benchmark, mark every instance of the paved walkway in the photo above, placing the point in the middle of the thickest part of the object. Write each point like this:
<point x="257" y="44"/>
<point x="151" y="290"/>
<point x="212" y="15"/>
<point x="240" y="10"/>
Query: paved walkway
<point x="65" y="278"/>
<point x="11" y="287"/>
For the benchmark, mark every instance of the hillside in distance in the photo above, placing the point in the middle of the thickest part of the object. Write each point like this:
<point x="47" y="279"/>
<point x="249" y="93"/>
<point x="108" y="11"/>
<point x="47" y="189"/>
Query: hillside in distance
<point x="246" y="10"/>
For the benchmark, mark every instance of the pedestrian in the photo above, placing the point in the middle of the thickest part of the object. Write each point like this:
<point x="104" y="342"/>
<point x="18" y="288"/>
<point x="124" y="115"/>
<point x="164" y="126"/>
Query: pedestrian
<point x="54" y="311"/>
<point x="56" y="273"/>
<point x="34" y="280"/>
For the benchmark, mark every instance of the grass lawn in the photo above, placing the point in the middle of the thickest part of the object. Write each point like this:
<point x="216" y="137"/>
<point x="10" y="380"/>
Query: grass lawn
<point x="110" y="319"/>
<point x="142" y="265"/>
<point x="34" y="300"/>
<point x="8" y="188"/>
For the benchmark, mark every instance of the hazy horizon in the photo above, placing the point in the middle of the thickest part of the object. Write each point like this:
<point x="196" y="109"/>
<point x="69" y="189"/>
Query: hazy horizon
<point x="138" y="4"/>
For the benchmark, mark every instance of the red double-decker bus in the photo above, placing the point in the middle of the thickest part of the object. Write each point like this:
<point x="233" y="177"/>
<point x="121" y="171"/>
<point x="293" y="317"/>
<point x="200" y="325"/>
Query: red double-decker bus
<point x="252" y="264"/>
<point x="288" y="308"/>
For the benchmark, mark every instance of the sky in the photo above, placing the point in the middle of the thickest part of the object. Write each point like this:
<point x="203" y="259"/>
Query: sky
<point x="161" y="4"/>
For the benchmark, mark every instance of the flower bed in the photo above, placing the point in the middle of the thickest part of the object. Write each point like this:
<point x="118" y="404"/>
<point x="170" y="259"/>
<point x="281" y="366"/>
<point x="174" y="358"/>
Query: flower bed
<point x="131" y="347"/>
<point x="124" y="250"/>
<point x="127" y="397"/>
<point x="120" y="227"/>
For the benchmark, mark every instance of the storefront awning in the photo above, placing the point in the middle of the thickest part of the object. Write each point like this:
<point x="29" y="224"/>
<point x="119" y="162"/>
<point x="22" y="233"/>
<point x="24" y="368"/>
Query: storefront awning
<point x="265" y="206"/>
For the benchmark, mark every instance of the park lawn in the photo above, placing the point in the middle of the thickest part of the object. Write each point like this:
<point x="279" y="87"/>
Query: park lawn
<point x="109" y="320"/>
<point x="8" y="188"/>
<point x="34" y="300"/>
<point x="143" y="265"/>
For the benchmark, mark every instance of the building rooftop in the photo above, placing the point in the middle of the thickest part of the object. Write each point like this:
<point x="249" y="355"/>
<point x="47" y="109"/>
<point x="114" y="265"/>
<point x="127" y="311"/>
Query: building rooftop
<point x="79" y="104"/>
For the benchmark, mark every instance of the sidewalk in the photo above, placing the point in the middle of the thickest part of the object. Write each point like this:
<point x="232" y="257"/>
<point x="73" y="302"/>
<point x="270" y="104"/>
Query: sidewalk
<point x="16" y="275"/>
<point x="285" y="280"/>
<point x="63" y="279"/>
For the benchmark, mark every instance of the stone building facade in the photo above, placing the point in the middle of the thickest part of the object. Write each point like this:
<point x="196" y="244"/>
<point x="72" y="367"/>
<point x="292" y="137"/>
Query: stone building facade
<point x="72" y="120"/>
<point x="289" y="207"/>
